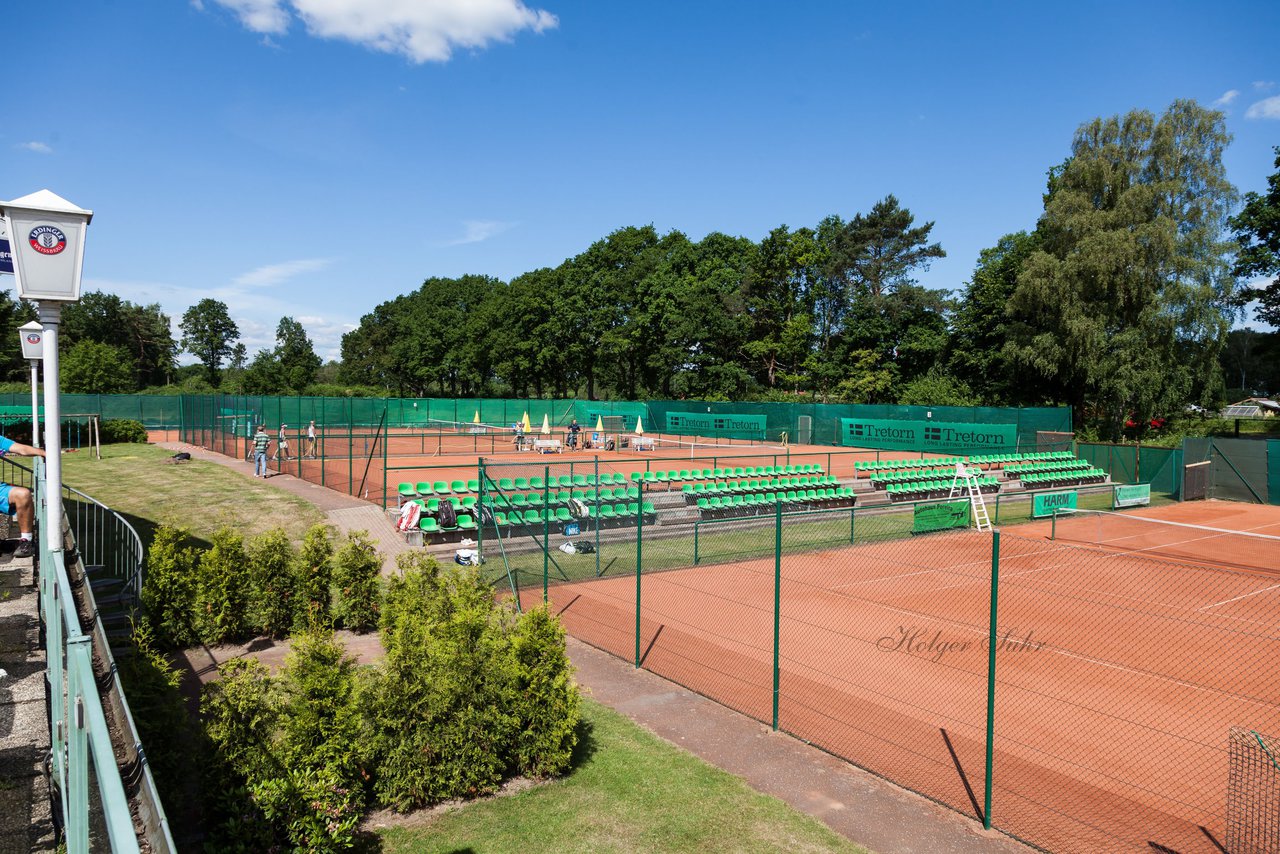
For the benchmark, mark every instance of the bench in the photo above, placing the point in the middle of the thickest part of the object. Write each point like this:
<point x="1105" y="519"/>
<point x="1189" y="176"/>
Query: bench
<point x="548" y="446"/>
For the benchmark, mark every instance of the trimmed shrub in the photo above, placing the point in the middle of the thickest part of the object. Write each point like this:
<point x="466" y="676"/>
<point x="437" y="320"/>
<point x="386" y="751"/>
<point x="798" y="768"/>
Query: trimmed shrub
<point x="314" y="572"/>
<point x="548" y="703"/>
<point x="272" y="558"/>
<point x="443" y="719"/>
<point x="222" y="599"/>
<point x="169" y="589"/>
<point x="289" y="748"/>
<point x="116" y="431"/>
<point x="357" y="569"/>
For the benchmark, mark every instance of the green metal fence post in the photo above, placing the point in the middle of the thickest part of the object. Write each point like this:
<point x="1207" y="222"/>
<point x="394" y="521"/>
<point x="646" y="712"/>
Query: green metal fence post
<point x="479" y="505"/>
<point x="596" y="521"/>
<point x="852" y="510"/>
<point x="991" y="677"/>
<point x="697" y="523"/>
<point x="546" y="533"/>
<point x="639" y="563"/>
<point x="777" y="607"/>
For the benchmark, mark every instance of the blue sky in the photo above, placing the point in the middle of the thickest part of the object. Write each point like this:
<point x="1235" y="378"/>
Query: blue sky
<point x="313" y="158"/>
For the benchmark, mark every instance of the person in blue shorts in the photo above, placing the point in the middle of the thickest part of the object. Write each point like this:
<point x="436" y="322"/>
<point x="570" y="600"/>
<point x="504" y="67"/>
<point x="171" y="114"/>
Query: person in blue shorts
<point x="16" y="500"/>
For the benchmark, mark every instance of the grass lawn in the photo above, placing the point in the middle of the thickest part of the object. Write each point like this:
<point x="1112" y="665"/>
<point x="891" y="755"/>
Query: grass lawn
<point x="135" y="481"/>
<point x="629" y="791"/>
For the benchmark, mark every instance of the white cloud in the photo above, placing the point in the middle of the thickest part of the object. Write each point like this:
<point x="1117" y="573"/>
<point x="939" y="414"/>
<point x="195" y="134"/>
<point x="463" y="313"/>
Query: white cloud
<point x="1268" y="108"/>
<point x="421" y="30"/>
<point x="477" y="230"/>
<point x="1263" y="85"/>
<point x="274" y="274"/>
<point x="1227" y="97"/>
<point x="261" y="16"/>
<point x="37" y="147"/>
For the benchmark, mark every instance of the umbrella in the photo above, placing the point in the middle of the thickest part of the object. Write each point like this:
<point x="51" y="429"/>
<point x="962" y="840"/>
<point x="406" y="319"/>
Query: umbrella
<point x="476" y="420"/>
<point x="639" y="426"/>
<point x="546" y="425"/>
<point x="526" y="422"/>
<point x="599" y="423"/>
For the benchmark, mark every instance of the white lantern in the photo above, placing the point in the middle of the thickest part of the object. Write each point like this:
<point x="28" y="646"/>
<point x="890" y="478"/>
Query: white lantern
<point x="46" y="236"/>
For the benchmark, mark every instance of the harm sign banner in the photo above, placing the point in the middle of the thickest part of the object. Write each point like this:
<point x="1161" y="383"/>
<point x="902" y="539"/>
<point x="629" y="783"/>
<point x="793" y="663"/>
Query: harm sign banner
<point x="927" y="435"/>
<point x="725" y="424"/>
<point x="1132" y="495"/>
<point x="1046" y="503"/>
<point x="940" y="517"/>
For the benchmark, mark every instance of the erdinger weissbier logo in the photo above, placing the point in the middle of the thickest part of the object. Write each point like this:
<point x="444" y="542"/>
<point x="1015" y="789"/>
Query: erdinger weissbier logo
<point x="47" y="240"/>
<point x="33" y="337"/>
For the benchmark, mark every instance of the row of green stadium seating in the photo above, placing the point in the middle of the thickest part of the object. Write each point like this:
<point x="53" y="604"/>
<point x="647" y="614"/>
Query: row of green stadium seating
<point x="1052" y="465"/>
<point x="1053" y="480"/>
<point x="752" y="503"/>
<point x="872" y="466"/>
<point x="926" y="489"/>
<point x="621" y="513"/>
<point x="693" y="491"/>
<point x="882" y="480"/>
<point x="683" y="475"/>
<point x="1032" y="456"/>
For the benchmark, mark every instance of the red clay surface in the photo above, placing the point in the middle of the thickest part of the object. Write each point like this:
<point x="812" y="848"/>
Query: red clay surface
<point x="1118" y="677"/>
<point x="355" y="463"/>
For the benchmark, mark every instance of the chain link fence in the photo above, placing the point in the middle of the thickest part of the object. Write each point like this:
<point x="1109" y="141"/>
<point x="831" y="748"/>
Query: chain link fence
<point x="1076" y="698"/>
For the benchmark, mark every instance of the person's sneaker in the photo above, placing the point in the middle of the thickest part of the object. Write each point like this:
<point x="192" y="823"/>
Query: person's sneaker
<point x="26" y="548"/>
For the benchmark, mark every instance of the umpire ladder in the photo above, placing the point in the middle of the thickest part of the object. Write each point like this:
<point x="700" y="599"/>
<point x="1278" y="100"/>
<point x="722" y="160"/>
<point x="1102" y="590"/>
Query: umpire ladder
<point x="966" y="479"/>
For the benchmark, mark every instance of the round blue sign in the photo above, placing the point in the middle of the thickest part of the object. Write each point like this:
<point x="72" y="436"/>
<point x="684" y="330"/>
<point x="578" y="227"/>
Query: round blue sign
<point x="47" y="240"/>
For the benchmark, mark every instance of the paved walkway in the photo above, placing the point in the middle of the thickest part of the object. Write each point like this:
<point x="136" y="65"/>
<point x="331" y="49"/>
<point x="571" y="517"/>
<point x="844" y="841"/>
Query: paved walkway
<point x="855" y="803"/>
<point x="26" y="822"/>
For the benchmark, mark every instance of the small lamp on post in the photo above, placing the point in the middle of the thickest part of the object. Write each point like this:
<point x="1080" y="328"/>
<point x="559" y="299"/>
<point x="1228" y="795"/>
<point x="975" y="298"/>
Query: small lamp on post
<point x="31" y="336"/>
<point x="46" y="233"/>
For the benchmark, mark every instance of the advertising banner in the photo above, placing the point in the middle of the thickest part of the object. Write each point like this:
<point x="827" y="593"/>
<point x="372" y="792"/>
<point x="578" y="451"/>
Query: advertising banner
<point x="727" y="424"/>
<point x="1045" y="503"/>
<point x="940" y="517"/>
<point x="933" y="436"/>
<point x="1131" y="495"/>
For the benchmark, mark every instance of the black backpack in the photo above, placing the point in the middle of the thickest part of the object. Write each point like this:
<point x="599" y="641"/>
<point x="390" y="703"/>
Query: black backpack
<point x="446" y="516"/>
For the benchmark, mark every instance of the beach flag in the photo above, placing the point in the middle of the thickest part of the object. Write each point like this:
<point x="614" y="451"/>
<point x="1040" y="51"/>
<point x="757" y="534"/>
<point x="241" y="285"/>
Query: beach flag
<point x="546" y="424"/>
<point x="639" y="426"/>
<point x="526" y="422"/>
<point x="476" y="420"/>
<point x="599" y="423"/>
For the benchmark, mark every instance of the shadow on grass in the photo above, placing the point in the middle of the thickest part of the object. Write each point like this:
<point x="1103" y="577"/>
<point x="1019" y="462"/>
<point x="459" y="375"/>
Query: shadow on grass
<point x="586" y="747"/>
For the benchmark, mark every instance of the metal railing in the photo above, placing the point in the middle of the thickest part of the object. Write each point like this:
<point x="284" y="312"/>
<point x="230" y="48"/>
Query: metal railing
<point x="81" y="743"/>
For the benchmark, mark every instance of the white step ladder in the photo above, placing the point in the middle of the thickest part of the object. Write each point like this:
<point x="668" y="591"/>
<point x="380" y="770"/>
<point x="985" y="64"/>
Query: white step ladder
<point x="967" y="479"/>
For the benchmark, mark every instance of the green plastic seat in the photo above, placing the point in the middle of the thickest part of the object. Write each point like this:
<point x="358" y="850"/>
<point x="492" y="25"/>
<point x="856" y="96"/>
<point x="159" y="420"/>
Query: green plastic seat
<point x="536" y="483"/>
<point x="407" y="490"/>
<point x="466" y="523"/>
<point x="428" y="525"/>
<point x="458" y="487"/>
<point x="441" y="487"/>
<point x="563" y="515"/>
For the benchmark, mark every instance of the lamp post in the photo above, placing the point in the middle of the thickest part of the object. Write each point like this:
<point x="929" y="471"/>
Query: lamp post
<point x="31" y="336"/>
<point x="47" y="242"/>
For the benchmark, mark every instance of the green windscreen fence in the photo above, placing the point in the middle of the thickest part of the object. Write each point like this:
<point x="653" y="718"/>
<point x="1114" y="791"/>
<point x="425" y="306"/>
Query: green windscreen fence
<point x="1160" y="467"/>
<point x="155" y="411"/>
<point x="1273" y="471"/>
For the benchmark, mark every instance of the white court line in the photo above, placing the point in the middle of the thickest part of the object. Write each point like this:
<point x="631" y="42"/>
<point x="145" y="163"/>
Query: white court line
<point x="1237" y="598"/>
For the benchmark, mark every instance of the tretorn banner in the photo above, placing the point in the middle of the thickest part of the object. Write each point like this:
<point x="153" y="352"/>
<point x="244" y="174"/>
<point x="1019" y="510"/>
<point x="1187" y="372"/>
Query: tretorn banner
<point x="1131" y="495"/>
<point x="935" y="436"/>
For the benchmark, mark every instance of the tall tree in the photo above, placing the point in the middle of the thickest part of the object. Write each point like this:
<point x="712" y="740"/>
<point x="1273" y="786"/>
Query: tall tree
<point x="141" y="333"/>
<point x="1124" y="306"/>
<point x="297" y="357"/>
<point x="980" y="325"/>
<point x="208" y="333"/>
<point x="1257" y="230"/>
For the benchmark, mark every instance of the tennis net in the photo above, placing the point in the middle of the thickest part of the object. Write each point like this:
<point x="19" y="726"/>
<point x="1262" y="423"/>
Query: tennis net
<point x="1161" y="538"/>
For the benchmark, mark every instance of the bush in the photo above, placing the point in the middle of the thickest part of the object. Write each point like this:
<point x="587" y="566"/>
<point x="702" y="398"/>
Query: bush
<point x="288" y="750"/>
<point x="548" y="704"/>
<point x="272" y="558"/>
<point x="222" y="598"/>
<point x="169" y="589"/>
<point x="357" y="569"/>
<point x="443" y="705"/>
<point x="117" y="431"/>
<point x="314" y="572"/>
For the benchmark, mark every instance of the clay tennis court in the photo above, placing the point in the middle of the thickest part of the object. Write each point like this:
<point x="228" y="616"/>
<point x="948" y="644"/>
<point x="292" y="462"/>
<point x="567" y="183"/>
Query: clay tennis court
<point x="1118" y="676"/>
